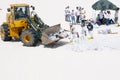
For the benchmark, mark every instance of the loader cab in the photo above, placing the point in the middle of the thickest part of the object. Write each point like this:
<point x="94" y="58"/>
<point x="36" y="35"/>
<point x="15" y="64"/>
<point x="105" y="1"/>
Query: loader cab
<point x="20" y="11"/>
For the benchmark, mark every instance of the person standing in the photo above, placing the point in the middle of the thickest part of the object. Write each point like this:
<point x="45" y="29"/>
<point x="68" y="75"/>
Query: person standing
<point x="73" y="17"/>
<point x="107" y="17"/>
<point x="67" y="14"/>
<point x="101" y="16"/>
<point x="74" y="33"/>
<point x="83" y="17"/>
<point x="83" y="23"/>
<point x="77" y="13"/>
<point x="116" y="16"/>
<point x="90" y="29"/>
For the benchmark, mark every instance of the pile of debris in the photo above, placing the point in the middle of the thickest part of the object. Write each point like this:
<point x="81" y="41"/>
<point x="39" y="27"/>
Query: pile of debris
<point x="105" y="31"/>
<point x="61" y="34"/>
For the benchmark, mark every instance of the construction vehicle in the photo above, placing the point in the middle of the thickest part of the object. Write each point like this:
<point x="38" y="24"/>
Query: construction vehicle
<point x="26" y="26"/>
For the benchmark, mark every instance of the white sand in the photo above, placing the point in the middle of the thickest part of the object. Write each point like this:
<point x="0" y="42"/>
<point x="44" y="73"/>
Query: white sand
<point x="97" y="59"/>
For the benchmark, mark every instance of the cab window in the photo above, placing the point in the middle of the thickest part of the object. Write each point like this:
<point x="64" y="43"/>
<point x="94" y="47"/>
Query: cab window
<point x="21" y="12"/>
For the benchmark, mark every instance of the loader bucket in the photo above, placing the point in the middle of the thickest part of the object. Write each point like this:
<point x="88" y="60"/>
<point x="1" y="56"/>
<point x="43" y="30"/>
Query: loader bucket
<point x="51" y="30"/>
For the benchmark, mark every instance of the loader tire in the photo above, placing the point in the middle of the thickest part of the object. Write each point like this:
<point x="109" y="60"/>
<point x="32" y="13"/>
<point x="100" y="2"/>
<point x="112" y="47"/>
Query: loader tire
<point x="29" y="37"/>
<point x="4" y="31"/>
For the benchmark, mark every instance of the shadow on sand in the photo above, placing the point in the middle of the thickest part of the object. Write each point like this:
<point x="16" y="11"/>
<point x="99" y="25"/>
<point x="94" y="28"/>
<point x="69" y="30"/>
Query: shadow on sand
<point x="56" y="45"/>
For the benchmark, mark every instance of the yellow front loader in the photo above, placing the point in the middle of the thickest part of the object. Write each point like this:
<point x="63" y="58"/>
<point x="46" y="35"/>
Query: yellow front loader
<point x="26" y="25"/>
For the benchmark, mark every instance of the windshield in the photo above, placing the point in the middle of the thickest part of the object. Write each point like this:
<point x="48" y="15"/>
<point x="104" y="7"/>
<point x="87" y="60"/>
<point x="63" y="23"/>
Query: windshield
<point x="21" y="12"/>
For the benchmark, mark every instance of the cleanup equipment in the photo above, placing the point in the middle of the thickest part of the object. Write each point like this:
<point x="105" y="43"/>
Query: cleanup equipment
<point x="26" y="25"/>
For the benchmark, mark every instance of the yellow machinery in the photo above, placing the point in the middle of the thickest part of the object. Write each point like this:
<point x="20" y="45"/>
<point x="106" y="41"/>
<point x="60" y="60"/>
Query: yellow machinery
<point x="26" y="26"/>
